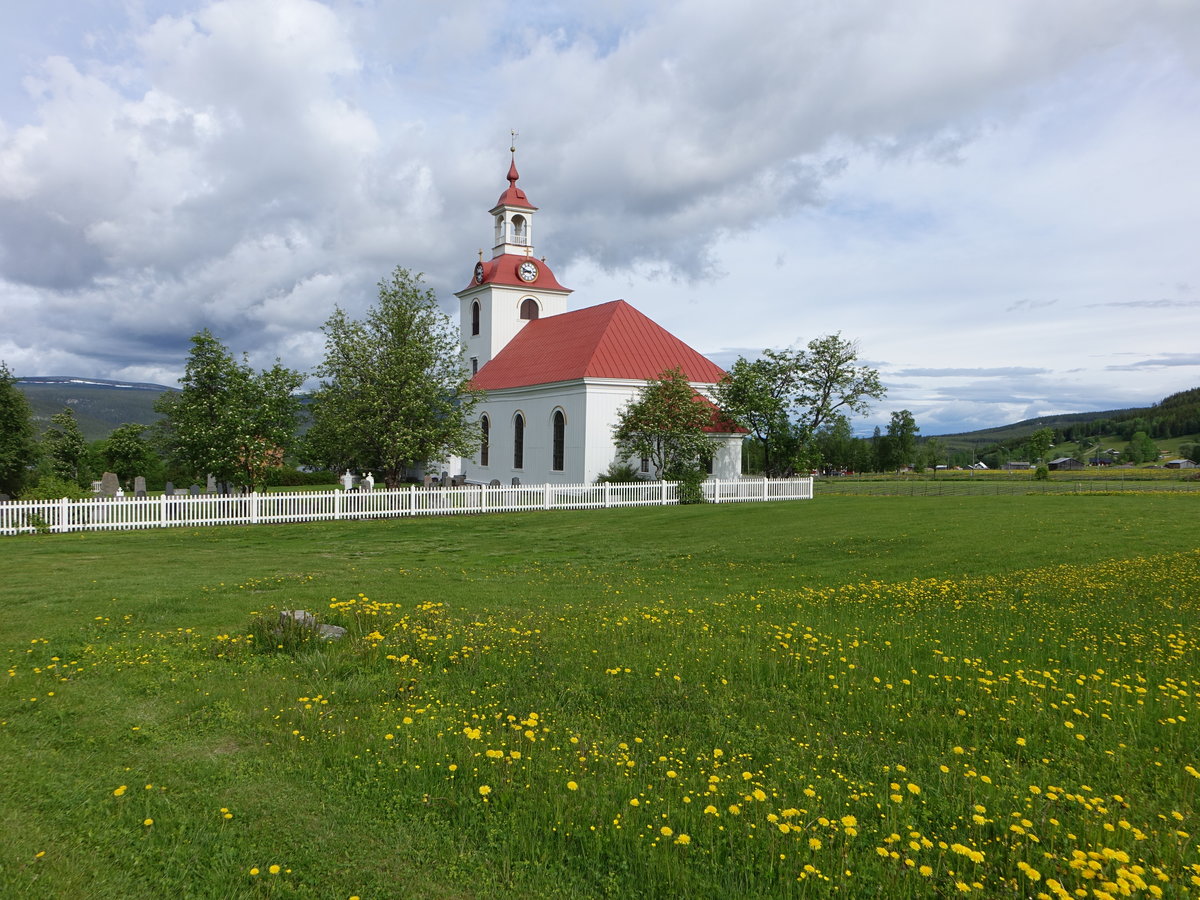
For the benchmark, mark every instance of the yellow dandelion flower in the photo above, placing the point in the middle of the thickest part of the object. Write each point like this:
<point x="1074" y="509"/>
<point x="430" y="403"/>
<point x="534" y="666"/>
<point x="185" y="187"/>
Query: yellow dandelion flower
<point x="119" y="791"/>
<point x="572" y="786"/>
<point x="814" y="843"/>
<point x="147" y="822"/>
<point x="273" y="869"/>
<point x="925" y="871"/>
<point x="254" y="870"/>
<point x="634" y="801"/>
<point x="666" y="831"/>
<point x="914" y="788"/>
<point x="683" y="839"/>
<point x="484" y="790"/>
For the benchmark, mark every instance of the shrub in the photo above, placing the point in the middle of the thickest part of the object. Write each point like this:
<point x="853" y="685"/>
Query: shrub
<point x="690" y="487"/>
<point x="619" y="473"/>
<point x="51" y="487"/>
<point x="1041" y="473"/>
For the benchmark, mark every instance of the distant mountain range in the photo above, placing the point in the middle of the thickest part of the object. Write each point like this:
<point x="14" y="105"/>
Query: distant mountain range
<point x="99" y="405"/>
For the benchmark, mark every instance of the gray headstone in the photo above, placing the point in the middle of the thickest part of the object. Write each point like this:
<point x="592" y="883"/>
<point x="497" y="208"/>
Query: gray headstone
<point x="4" y="498"/>
<point x="428" y="480"/>
<point x="516" y="481"/>
<point x="194" y="490"/>
<point x="495" y="482"/>
<point x="169" y="489"/>
<point x="109" y="484"/>
<point x="211" y="486"/>
<point x="139" y="486"/>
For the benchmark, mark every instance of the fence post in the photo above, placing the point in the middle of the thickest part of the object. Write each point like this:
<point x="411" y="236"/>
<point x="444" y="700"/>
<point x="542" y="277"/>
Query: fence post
<point x="337" y="504"/>
<point x="716" y="489"/>
<point x="64" y="515"/>
<point x="162" y="510"/>
<point x="663" y="487"/>
<point x="546" y="496"/>
<point x="607" y="495"/>
<point x="254" y="507"/>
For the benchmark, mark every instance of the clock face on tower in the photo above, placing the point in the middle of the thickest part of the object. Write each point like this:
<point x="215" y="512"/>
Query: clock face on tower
<point x="528" y="270"/>
<point x="479" y="273"/>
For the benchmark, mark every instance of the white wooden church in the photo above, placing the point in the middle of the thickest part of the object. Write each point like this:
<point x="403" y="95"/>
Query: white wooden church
<point x="555" y="380"/>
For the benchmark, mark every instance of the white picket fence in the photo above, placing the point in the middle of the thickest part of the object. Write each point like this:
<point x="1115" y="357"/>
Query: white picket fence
<point x="182" y="510"/>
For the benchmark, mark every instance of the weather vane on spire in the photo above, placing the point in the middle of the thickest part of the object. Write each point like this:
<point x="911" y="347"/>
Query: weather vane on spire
<point x="512" y="148"/>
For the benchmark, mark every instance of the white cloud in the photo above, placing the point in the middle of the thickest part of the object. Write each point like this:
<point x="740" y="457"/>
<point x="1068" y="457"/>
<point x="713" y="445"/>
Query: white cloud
<point x="997" y="186"/>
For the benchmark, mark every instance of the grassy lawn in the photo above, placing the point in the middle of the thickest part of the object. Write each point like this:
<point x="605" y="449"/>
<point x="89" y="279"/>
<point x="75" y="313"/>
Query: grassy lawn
<point x="855" y="696"/>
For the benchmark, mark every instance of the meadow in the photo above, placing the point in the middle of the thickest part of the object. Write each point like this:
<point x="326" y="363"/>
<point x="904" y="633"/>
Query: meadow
<point x="990" y="696"/>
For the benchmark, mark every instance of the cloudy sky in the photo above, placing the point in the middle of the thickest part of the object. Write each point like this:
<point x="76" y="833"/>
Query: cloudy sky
<point x="998" y="200"/>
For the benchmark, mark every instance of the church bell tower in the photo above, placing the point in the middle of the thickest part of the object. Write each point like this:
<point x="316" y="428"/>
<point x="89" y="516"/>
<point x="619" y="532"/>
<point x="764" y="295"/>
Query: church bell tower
<point x="512" y="288"/>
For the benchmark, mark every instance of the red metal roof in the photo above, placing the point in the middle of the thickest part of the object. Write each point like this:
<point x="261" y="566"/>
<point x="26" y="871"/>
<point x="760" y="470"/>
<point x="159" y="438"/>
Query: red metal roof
<point x="513" y="195"/>
<point x="503" y="270"/>
<point x="612" y="340"/>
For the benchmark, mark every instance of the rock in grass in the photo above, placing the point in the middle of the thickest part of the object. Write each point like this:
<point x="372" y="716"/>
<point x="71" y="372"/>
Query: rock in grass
<point x="304" y="619"/>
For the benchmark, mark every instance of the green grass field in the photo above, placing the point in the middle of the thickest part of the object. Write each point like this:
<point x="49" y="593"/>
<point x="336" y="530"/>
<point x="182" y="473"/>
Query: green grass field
<point x="855" y="696"/>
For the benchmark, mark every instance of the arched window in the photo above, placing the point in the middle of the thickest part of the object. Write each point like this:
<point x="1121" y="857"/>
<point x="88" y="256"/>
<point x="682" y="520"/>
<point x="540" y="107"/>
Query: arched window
<point x="560" y="440"/>
<point x="519" y="442"/>
<point x="520" y="231"/>
<point x="485" y="428"/>
<point x="475" y="317"/>
<point x="529" y="308"/>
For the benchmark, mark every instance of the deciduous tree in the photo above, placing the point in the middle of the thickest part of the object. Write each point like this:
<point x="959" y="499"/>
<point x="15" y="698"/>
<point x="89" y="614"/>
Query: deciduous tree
<point x="228" y="421"/>
<point x="665" y="423"/>
<point x="18" y="448"/>
<point x="394" y="392"/>
<point x="784" y="397"/>
<point x="65" y="447"/>
<point x="127" y="453"/>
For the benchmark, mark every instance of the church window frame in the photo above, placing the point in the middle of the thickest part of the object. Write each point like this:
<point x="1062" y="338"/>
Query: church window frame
<point x="558" y="441"/>
<point x="485" y="434"/>
<point x="474" y="317"/>
<point x="519" y="441"/>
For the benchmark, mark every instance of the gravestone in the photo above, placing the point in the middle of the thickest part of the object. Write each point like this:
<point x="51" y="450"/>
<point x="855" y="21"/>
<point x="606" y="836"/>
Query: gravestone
<point x="139" y="486"/>
<point x="495" y="482"/>
<point x="368" y="483"/>
<point x="109" y="484"/>
<point x="169" y="489"/>
<point x="347" y="481"/>
<point x="516" y="482"/>
<point x="194" y="490"/>
<point x="428" y="480"/>
<point x="211" y="485"/>
<point x="4" y="498"/>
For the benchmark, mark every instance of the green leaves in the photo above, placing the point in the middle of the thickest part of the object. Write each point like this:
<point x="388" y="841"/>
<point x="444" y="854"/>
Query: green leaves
<point x="786" y="396"/>
<point x="18" y="450"/>
<point x="665" y="424"/>
<point x="395" y="392"/>
<point x="227" y="420"/>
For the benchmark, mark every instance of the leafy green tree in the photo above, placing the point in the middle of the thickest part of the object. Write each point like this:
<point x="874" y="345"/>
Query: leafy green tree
<point x="18" y="448"/>
<point x="902" y="436"/>
<point x="65" y="447"/>
<point x="756" y="394"/>
<point x="1039" y="444"/>
<point x="1141" y="449"/>
<point x="394" y="392"/>
<point x="127" y="453"/>
<point x="784" y="398"/>
<point x="835" y="442"/>
<point x="227" y="420"/>
<point x="665" y="423"/>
